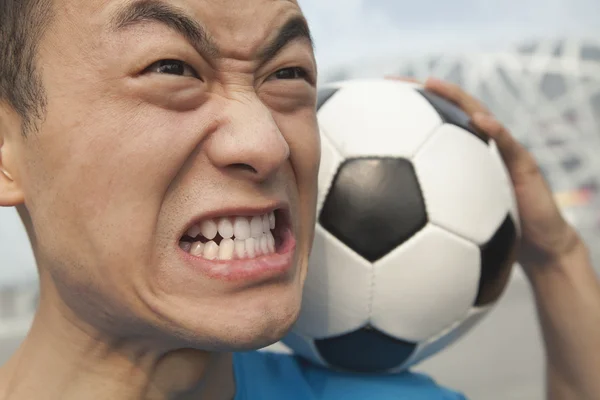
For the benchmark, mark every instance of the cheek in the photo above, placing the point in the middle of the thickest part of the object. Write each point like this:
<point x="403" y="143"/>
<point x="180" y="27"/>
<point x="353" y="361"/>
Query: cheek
<point x="302" y="135"/>
<point x="104" y="168"/>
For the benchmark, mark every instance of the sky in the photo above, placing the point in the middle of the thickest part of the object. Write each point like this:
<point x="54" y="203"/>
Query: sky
<point x="354" y="31"/>
<point x="350" y="31"/>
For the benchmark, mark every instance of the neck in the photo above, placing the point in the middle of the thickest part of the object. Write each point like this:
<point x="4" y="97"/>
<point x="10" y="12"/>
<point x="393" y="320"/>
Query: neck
<point x="59" y="360"/>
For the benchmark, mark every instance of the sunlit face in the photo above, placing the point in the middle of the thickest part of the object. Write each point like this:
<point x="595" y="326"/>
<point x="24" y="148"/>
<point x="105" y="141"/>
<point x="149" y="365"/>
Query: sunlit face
<point x="172" y="184"/>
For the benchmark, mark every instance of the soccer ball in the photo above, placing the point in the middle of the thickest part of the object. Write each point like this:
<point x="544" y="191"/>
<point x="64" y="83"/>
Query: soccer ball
<point x="416" y="234"/>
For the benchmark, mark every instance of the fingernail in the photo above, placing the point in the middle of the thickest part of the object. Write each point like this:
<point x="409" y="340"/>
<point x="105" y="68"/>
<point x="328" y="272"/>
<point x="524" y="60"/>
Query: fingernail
<point x="483" y="117"/>
<point x="434" y="80"/>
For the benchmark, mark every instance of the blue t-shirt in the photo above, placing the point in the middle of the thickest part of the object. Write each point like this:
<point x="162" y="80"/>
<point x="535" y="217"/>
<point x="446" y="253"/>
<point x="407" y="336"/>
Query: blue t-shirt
<point x="270" y="376"/>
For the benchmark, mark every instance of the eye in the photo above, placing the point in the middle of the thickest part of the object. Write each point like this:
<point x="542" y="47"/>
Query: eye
<point x="290" y="73"/>
<point x="172" y="67"/>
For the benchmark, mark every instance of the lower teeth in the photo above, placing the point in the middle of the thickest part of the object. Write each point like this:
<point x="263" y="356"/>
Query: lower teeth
<point x="230" y="249"/>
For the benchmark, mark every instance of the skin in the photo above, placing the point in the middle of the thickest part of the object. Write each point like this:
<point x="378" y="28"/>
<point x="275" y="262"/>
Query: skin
<point x="123" y="161"/>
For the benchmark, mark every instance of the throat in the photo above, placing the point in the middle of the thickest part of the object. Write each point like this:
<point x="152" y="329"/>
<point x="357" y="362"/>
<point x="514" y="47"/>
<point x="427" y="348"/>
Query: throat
<point x="86" y="367"/>
<point x="194" y="374"/>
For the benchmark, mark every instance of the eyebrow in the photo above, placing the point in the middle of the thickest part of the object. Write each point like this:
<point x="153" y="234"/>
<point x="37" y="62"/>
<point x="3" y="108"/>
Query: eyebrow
<point x="157" y="11"/>
<point x="294" y="29"/>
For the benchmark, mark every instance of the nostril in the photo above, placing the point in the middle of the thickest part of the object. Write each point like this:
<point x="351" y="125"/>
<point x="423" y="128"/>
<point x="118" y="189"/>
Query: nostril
<point x="244" y="167"/>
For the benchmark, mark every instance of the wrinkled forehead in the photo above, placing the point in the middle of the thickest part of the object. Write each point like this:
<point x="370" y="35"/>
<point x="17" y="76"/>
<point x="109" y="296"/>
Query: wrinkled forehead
<point x="234" y="25"/>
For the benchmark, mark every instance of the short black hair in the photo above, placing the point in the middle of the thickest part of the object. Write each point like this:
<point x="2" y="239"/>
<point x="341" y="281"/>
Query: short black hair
<point x="22" y="24"/>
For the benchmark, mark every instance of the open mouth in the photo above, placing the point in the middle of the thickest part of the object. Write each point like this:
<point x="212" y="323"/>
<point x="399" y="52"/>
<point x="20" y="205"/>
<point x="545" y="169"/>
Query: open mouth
<point x="236" y="237"/>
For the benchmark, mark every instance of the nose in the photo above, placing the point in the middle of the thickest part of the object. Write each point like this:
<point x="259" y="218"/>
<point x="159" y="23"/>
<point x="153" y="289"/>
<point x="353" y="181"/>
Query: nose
<point x="248" y="142"/>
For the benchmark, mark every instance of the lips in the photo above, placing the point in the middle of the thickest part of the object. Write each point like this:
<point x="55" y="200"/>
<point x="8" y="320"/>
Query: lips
<point x="240" y="245"/>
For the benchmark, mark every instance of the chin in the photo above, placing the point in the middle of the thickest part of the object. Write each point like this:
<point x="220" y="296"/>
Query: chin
<point x="265" y="323"/>
<point x="267" y="316"/>
<point x="250" y="319"/>
<point x="228" y="316"/>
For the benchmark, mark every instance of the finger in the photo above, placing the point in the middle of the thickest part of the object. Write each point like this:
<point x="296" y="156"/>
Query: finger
<point x="454" y="93"/>
<point x="517" y="159"/>
<point x="407" y="79"/>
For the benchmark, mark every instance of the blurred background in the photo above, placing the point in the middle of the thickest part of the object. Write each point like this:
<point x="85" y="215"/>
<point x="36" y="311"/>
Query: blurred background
<point x="536" y="64"/>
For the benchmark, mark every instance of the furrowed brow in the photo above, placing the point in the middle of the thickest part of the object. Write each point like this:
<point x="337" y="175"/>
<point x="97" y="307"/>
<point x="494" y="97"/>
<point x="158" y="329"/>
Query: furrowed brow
<point x="294" y="29"/>
<point x="157" y="11"/>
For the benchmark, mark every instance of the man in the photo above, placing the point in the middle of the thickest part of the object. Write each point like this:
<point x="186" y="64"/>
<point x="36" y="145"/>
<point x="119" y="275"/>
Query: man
<point x="163" y="156"/>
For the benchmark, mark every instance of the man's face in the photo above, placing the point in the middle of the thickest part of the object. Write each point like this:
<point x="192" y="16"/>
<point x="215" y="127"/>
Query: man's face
<point x="164" y="120"/>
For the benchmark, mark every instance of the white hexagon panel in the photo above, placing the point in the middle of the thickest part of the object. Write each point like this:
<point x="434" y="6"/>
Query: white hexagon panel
<point x="330" y="163"/>
<point x="448" y="337"/>
<point x="463" y="188"/>
<point x="415" y="291"/>
<point x="338" y="283"/>
<point x="366" y="127"/>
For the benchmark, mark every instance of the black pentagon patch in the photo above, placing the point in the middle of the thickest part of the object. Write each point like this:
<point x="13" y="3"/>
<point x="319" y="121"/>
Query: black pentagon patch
<point x="374" y="205"/>
<point x="497" y="259"/>
<point x="366" y="350"/>
<point x="452" y="114"/>
<point x="324" y="95"/>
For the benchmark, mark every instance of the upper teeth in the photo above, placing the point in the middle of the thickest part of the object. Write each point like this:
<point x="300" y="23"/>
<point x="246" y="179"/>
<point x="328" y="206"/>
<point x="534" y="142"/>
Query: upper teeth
<point x="239" y="227"/>
<point x="242" y="237"/>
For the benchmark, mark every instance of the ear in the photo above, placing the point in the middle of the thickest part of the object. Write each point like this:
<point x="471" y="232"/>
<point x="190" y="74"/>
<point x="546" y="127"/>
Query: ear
<point x="11" y="193"/>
